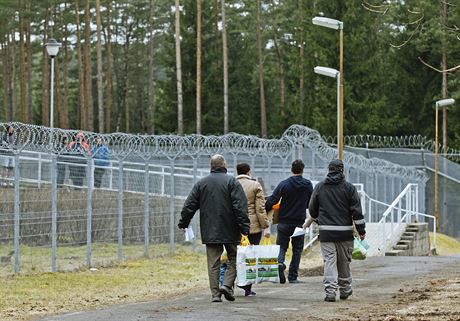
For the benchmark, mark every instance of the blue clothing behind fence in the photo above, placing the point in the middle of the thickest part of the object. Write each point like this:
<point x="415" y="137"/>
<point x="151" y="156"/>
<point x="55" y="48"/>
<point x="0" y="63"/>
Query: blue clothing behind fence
<point x="100" y="155"/>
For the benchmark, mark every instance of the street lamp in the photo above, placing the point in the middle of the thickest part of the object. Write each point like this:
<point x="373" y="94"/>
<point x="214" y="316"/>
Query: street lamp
<point x="333" y="73"/>
<point x="336" y="25"/>
<point x="439" y="104"/>
<point x="52" y="47"/>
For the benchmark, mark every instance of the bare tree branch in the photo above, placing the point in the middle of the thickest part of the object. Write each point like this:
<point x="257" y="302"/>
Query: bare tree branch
<point x="436" y="69"/>
<point x="410" y="37"/>
<point x="375" y="8"/>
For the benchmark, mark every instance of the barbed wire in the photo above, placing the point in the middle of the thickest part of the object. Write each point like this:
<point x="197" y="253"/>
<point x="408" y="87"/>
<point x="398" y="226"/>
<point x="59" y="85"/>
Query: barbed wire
<point x="122" y="145"/>
<point x="410" y="141"/>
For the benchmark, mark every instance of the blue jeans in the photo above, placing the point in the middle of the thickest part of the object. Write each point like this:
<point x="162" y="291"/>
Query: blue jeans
<point x="223" y="268"/>
<point x="282" y="239"/>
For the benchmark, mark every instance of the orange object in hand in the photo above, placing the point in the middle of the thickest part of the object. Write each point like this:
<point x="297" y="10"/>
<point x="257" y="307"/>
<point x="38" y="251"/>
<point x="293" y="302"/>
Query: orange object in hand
<point x="276" y="206"/>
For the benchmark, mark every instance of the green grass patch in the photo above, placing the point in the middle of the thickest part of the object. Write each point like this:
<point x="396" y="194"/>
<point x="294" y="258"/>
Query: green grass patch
<point x="445" y="245"/>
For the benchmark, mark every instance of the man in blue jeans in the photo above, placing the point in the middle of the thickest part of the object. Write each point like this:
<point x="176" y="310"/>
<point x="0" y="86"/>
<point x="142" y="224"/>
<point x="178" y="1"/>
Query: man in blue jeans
<point x="294" y="193"/>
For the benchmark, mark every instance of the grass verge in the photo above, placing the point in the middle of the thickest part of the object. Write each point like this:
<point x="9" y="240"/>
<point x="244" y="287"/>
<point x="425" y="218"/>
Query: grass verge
<point x="445" y="245"/>
<point x="27" y="297"/>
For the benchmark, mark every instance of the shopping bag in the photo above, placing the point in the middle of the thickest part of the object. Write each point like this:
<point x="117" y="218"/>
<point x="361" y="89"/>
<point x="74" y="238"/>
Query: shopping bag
<point x="359" y="249"/>
<point x="257" y="263"/>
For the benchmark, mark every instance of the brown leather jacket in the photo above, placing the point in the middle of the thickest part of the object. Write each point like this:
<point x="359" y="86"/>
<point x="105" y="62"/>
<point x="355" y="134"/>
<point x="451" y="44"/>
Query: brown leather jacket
<point x="256" y="203"/>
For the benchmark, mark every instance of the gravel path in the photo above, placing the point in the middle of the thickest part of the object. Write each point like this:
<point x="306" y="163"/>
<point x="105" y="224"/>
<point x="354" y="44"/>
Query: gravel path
<point x="385" y="288"/>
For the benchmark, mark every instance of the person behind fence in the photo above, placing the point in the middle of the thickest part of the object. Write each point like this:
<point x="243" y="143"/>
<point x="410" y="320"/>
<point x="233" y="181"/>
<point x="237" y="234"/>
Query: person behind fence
<point x="336" y="206"/>
<point x="79" y="149"/>
<point x="256" y="210"/>
<point x="223" y="218"/>
<point x="61" y="166"/>
<point x="100" y="154"/>
<point x="294" y="193"/>
<point x="7" y="156"/>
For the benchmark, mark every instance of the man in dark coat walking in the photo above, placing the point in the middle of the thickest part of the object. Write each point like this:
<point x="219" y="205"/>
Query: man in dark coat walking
<point x="223" y="218"/>
<point x="294" y="193"/>
<point x="336" y="206"/>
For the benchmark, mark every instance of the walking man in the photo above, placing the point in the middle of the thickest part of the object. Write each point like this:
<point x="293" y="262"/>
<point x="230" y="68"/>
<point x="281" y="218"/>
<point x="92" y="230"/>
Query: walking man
<point x="294" y="193"/>
<point x="223" y="218"/>
<point x="336" y="206"/>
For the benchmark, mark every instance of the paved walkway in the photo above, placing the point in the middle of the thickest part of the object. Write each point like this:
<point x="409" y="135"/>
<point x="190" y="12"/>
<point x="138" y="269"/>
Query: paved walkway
<point x="376" y="281"/>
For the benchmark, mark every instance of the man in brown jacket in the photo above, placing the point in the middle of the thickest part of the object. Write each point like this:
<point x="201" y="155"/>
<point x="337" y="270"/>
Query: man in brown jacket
<point x="256" y="210"/>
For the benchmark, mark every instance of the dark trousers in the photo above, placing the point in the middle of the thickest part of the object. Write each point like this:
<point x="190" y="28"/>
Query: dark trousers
<point x="60" y="174"/>
<point x="282" y="239"/>
<point x="213" y="253"/>
<point x="98" y="173"/>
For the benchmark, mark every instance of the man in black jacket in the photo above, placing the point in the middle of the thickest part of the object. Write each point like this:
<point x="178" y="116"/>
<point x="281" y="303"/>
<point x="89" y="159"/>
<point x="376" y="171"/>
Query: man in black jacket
<point x="294" y="194"/>
<point x="223" y="218"/>
<point x="336" y="206"/>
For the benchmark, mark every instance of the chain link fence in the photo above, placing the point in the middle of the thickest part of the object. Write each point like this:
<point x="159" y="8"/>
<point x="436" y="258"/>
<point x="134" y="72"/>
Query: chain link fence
<point x="71" y="199"/>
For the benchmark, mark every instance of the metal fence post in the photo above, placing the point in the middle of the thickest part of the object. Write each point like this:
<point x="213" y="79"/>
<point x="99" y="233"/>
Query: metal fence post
<point x="89" y="209"/>
<point x="39" y="175"/>
<point x="269" y="180"/>
<point x="171" y="209"/>
<point x="146" y="210"/>
<point x="16" y="213"/>
<point x="194" y="220"/>
<point x="53" y="212"/>
<point x="120" y="210"/>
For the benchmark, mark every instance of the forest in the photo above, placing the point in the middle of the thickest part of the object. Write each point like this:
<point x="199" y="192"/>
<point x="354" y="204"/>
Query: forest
<point x="219" y="66"/>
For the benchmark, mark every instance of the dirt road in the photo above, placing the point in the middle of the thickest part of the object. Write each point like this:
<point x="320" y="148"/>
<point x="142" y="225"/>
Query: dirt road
<point x="385" y="288"/>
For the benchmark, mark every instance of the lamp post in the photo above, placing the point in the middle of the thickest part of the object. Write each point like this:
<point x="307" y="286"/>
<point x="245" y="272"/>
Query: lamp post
<point x="439" y="104"/>
<point x="336" y="25"/>
<point x="52" y="47"/>
<point x="333" y="73"/>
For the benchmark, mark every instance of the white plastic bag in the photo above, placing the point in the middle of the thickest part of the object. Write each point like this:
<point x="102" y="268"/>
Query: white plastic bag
<point x="257" y="264"/>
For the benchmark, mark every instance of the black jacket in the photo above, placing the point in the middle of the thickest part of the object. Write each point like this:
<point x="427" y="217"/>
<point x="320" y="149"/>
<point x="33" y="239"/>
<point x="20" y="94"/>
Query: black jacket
<point x="295" y="193"/>
<point x="223" y="208"/>
<point x="335" y="204"/>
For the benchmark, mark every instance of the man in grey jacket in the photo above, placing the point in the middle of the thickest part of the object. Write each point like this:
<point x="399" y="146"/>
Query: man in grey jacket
<point x="336" y="206"/>
<point x="223" y="218"/>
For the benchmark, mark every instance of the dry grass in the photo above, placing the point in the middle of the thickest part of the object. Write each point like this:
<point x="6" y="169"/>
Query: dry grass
<point x="445" y="245"/>
<point x="25" y="297"/>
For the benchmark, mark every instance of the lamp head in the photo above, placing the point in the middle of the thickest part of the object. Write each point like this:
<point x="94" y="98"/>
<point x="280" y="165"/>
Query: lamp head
<point x="52" y="47"/>
<point x="445" y="102"/>
<point x="328" y="23"/>
<point x="326" y="71"/>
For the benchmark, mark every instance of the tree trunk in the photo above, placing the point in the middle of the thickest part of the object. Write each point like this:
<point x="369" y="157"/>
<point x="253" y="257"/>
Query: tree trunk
<point x="108" y="78"/>
<point x="22" y="62"/>
<point x="263" y="111"/>
<point x="198" y="66"/>
<point x="281" y="76"/>
<point x="100" y="106"/>
<point x="64" y="122"/>
<point x="301" y="67"/>
<point x="151" y="90"/>
<point x="225" y="62"/>
<point x="13" y="93"/>
<point x="87" y="75"/>
<point x="180" y="114"/>
<point x="6" y="81"/>
<point x="45" y="75"/>
<point x="124" y="92"/>
<point x="81" y="108"/>
<point x="29" y="62"/>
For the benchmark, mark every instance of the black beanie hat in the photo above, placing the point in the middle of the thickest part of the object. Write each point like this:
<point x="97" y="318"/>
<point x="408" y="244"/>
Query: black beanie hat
<point x="336" y="166"/>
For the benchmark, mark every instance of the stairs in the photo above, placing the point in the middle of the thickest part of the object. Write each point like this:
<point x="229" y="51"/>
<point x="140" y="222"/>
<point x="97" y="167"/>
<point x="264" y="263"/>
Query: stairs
<point x="414" y="241"/>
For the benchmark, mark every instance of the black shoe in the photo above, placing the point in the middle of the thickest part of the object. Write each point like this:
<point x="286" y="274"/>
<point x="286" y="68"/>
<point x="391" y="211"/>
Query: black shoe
<point x="227" y="292"/>
<point x="329" y="298"/>
<point x="295" y="281"/>
<point x="281" y="268"/>
<point x="216" y="299"/>
<point x="344" y="296"/>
